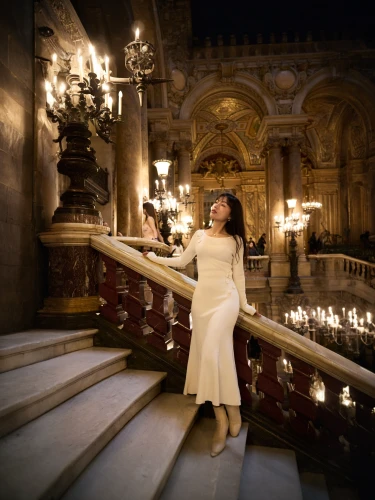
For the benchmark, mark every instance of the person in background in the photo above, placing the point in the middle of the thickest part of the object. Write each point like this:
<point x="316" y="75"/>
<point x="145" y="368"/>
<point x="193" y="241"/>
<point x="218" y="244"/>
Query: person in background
<point x="177" y="248"/>
<point x="150" y="230"/>
<point x="219" y="294"/>
<point x="261" y="245"/>
<point x="313" y="243"/>
<point x="253" y="252"/>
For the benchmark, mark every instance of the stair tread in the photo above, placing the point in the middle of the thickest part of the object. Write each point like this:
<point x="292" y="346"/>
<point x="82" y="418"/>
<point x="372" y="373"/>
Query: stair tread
<point x="262" y="463"/>
<point x="198" y="475"/>
<point x="37" y="455"/>
<point x="23" y="386"/>
<point x="137" y="462"/>
<point x="35" y="339"/>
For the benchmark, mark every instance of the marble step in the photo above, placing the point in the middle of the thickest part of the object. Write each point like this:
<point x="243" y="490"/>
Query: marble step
<point x="32" y="390"/>
<point x="137" y="462"/>
<point x="198" y="475"/>
<point x="270" y="473"/>
<point x="41" y="459"/>
<point x="31" y="346"/>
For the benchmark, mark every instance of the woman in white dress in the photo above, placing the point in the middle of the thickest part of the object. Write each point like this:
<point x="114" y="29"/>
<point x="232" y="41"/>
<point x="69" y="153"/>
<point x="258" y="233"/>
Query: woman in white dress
<point x="220" y="292"/>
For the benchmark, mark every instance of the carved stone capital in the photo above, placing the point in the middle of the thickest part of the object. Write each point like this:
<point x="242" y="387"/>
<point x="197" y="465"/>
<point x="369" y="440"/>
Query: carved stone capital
<point x="160" y="136"/>
<point x="183" y="146"/>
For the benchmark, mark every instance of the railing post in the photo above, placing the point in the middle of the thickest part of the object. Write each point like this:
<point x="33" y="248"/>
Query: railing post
<point x="135" y="304"/>
<point x="244" y="371"/>
<point x="329" y="412"/>
<point x="302" y="409"/>
<point x="181" y="332"/>
<point x="268" y="383"/>
<point x="112" y="291"/>
<point x="160" y="316"/>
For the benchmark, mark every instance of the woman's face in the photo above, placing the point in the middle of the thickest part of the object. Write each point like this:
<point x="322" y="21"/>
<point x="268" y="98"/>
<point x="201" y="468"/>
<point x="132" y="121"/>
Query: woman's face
<point x="251" y="244"/>
<point x="220" y="210"/>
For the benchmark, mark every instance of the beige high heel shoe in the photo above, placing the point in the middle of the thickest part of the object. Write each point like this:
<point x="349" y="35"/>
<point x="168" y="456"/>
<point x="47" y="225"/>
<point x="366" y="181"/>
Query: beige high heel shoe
<point x="235" y="421"/>
<point x="221" y="431"/>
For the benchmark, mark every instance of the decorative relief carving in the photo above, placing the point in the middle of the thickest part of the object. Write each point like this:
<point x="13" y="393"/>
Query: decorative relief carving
<point x="357" y="141"/>
<point x="219" y="167"/>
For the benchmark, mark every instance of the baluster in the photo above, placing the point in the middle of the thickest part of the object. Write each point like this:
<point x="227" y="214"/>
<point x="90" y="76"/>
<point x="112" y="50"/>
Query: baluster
<point x="268" y="384"/>
<point x="160" y="316"/>
<point x="329" y="413"/>
<point x="244" y="372"/>
<point x="302" y="408"/>
<point x="112" y="291"/>
<point x="135" y="304"/>
<point x="181" y="332"/>
<point x="363" y="433"/>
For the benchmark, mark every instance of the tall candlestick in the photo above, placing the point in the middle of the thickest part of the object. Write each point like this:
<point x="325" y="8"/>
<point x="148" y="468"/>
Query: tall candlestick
<point x="120" y="103"/>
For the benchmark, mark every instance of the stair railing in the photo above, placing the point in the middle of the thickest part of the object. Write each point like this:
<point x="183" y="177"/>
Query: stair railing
<point x="327" y="395"/>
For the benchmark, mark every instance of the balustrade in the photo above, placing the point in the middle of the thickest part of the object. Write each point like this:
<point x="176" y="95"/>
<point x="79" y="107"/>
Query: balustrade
<point x="318" y="380"/>
<point x="341" y="265"/>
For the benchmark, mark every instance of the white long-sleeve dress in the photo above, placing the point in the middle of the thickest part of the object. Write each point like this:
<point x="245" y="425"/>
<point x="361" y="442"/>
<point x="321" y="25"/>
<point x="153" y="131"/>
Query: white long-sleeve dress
<point x="220" y="292"/>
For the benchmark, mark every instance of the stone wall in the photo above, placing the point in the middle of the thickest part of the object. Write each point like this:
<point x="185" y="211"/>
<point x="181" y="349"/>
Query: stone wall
<point x="17" y="211"/>
<point x="28" y="175"/>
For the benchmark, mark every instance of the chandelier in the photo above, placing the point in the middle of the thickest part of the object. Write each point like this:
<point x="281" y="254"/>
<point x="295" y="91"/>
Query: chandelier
<point x="82" y="93"/>
<point x="309" y="206"/>
<point x="291" y="226"/>
<point x="347" y="330"/>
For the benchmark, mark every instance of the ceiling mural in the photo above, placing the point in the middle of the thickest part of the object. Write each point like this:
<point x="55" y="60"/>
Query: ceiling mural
<point x="226" y="129"/>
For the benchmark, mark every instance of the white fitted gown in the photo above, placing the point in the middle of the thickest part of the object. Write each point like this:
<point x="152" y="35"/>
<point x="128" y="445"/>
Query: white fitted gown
<point x="220" y="291"/>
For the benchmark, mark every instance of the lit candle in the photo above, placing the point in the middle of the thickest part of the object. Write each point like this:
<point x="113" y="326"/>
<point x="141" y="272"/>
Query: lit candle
<point x="163" y="182"/>
<point x="368" y="315"/>
<point x="62" y="88"/>
<point x="137" y="34"/>
<point x="120" y="103"/>
<point x="187" y="188"/>
<point x="54" y="60"/>
<point x="91" y="52"/>
<point x="181" y="190"/>
<point x="106" y="61"/>
<point x="157" y="184"/>
<point x="343" y="312"/>
<point x="80" y="68"/>
<point x="110" y="102"/>
<point x="286" y="318"/>
<point x="54" y="80"/>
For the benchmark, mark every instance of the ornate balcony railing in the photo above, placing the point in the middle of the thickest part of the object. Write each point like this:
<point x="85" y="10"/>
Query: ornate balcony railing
<point x="341" y="265"/>
<point x="319" y="394"/>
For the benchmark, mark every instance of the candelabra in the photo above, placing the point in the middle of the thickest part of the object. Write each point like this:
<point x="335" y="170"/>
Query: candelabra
<point x="185" y="196"/>
<point x="292" y="227"/>
<point x="347" y="331"/>
<point x="78" y="97"/>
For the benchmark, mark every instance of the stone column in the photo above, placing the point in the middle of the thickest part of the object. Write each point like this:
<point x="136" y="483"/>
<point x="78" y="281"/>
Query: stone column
<point x="276" y="205"/>
<point x="184" y="168"/>
<point x="129" y="168"/>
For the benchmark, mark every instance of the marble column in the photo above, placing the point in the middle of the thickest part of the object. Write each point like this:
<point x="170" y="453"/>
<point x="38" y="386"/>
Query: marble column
<point x="276" y="205"/>
<point x="184" y="168"/>
<point x="129" y="168"/>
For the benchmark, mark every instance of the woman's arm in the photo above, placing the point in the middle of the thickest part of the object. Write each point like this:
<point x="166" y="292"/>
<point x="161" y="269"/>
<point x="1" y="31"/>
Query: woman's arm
<point x="181" y="261"/>
<point x="239" y="281"/>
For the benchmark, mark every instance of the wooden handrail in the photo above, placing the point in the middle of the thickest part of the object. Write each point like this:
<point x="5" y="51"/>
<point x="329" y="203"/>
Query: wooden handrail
<point x="332" y="256"/>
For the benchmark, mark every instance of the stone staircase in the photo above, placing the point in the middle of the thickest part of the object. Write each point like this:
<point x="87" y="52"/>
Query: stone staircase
<point x="77" y="424"/>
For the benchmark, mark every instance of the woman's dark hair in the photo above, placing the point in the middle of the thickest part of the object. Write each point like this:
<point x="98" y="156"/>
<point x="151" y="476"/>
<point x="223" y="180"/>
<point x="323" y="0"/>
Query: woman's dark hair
<point x="177" y="242"/>
<point x="150" y="209"/>
<point x="235" y="226"/>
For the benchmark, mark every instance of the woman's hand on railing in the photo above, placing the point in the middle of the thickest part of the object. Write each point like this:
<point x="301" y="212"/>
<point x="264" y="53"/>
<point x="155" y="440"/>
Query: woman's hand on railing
<point x="144" y="254"/>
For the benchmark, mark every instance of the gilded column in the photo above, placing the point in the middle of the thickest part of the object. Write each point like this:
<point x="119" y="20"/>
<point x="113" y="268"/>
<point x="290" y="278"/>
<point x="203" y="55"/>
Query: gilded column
<point x="276" y="205"/>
